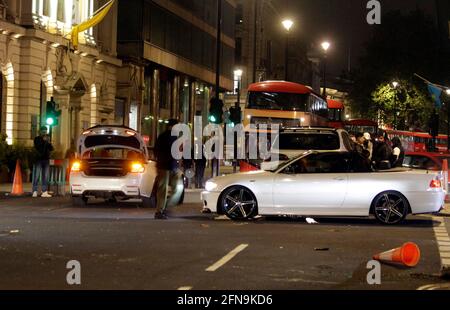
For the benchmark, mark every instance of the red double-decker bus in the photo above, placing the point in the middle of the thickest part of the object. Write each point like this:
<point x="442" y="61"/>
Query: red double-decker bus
<point x="286" y="104"/>
<point x="361" y="125"/>
<point x="418" y="141"/>
<point x="335" y="114"/>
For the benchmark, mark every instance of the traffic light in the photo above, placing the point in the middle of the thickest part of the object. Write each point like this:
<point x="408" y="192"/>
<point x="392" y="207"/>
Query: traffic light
<point x="235" y="115"/>
<point x="216" y="111"/>
<point x="52" y="114"/>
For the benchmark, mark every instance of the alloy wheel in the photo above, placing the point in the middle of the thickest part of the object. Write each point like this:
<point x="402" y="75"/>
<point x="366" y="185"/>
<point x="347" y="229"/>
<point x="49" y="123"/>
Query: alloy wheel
<point x="390" y="208"/>
<point x="239" y="203"/>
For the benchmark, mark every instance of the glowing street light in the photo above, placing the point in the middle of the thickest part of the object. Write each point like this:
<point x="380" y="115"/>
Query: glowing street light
<point x="287" y="24"/>
<point x="448" y="91"/>
<point x="395" y="84"/>
<point x="325" y="46"/>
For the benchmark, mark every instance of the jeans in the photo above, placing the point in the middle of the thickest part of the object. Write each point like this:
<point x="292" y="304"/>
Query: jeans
<point x="41" y="167"/>
<point x="165" y="179"/>
<point x="199" y="175"/>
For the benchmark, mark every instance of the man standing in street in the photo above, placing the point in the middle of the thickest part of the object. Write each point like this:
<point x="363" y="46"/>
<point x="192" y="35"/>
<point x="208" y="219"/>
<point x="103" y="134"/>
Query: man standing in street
<point x="43" y="147"/>
<point x="168" y="173"/>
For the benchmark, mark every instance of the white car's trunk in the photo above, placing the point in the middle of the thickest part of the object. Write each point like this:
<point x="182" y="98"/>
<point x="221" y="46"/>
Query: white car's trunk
<point x="105" y="167"/>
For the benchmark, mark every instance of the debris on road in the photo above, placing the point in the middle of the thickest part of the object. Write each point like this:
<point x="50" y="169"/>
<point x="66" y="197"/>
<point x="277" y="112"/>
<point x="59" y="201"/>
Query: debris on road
<point x="321" y="249"/>
<point x="14" y="232"/>
<point x="204" y="225"/>
<point x="310" y="220"/>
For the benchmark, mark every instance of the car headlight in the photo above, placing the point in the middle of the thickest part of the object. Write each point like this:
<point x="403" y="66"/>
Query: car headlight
<point x="210" y="186"/>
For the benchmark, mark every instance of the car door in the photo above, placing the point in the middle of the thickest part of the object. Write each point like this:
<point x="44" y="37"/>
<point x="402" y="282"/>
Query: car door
<point x="314" y="185"/>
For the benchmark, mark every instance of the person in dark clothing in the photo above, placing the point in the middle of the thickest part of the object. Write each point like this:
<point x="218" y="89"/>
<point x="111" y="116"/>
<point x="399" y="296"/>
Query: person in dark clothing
<point x="398" y="153"/>
<point x="200" y="165"/>
<point x="168" y="173"/>
<point x="361" y="156"/>
<point x="43" y="147"/>
<point x="188" y="165"/>
<point x="382" y="154"/>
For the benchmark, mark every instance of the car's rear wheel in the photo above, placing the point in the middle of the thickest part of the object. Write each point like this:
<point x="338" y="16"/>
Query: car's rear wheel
<point x="239" y="203"/>
<point x="390" y="208"/>
<point x="79" y="201"/>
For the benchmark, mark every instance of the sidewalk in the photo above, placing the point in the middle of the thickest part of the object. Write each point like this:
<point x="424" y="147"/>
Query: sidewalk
<point x="7" y="187"/>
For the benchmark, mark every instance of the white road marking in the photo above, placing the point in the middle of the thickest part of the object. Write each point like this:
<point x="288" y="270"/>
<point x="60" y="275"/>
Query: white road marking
<point x="433" y="287"/>
<point x="185" y="288"/>
<point x="227" y="258"/>
<point x="443" y="241"/>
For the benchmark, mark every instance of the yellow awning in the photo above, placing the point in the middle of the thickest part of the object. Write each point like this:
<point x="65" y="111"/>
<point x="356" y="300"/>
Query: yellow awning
<point x="93" y="21"/>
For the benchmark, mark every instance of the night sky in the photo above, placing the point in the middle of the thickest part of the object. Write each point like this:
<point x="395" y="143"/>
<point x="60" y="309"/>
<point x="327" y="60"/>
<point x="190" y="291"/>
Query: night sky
<point x="342" y="22"/>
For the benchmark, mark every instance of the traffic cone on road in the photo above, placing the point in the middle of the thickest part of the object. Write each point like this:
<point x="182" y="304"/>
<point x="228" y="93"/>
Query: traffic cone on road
<point x="17" y="189"/>
<point x="408" y="255"/>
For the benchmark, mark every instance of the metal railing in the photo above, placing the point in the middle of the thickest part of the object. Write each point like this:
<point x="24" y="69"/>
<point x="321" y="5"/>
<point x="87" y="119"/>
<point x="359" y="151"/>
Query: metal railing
<point x="56" y="177"/>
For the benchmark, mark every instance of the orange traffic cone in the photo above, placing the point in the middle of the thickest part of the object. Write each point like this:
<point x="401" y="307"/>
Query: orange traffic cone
<point x="408" y="255"/>
<point x="17" y="189"/>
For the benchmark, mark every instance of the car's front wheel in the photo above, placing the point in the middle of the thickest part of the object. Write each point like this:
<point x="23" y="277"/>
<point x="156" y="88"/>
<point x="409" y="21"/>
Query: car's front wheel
<point x="390" y="208"/>
<point x="239" y="203"/>
<point x="79" y="201"/>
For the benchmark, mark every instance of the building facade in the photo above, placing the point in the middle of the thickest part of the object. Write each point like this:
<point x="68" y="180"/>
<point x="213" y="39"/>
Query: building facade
<point x="37" y="63"/>
<point x="169" y="52"/>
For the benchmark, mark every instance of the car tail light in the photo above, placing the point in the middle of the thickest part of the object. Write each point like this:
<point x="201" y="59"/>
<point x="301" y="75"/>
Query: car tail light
<point x="435" y="183"/>
<point x="137" y="167"/>
<point x="76" y="167"/>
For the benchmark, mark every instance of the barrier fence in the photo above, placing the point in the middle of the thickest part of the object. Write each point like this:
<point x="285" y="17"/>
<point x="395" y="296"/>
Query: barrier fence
<point x="57" y="176"/>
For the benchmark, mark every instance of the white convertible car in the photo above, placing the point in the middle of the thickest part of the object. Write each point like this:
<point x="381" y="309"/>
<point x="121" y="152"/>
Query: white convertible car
<point x="112" y="163"/>
<point x="327" y="184"/>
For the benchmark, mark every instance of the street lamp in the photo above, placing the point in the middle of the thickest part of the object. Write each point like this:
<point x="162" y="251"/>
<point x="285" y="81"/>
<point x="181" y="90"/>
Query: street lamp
<point x="236" y="119"/>
<point x="238" y="78"/>
<point x="395" y="84"/>
<point x="287" y="24"/>
<point x="325" y="46"/>
<point x="448" y="91"/>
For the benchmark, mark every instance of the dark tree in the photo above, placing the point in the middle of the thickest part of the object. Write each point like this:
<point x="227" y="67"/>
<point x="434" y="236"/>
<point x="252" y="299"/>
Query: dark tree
<point x="401" y="46"/>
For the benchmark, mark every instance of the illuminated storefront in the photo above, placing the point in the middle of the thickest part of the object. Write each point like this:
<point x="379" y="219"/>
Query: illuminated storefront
<point x="38" y="62"/>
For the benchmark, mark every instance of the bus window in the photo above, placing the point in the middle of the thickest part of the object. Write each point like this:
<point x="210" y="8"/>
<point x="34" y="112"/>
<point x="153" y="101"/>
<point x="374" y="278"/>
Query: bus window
<point x="277" y="101"/>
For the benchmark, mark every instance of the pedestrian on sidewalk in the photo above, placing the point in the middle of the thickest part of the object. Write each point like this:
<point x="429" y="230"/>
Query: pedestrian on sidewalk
<point x="168" y="173"/>
<point x="43" y="148"/>
<point x="200" y="165"/>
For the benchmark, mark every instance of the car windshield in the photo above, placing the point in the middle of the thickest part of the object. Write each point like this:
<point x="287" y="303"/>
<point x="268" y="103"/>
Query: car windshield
<point x="309" y="141"/>
<point x="285" y="163"/>
<point x="113" y="153"/>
